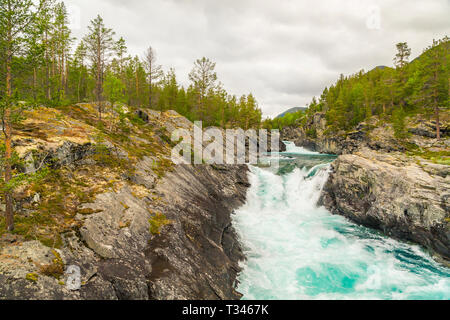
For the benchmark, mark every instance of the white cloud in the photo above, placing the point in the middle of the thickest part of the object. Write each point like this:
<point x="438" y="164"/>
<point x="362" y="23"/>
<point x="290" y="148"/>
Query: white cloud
<point x="284" y="52"/>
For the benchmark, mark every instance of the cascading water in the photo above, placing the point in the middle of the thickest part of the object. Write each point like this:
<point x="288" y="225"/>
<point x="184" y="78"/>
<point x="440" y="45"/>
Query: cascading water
<point x="297" y="250"/>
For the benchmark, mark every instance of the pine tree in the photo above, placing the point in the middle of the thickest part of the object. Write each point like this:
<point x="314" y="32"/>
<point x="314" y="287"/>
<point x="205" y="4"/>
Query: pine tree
<point x="402" y="57"/>
<point x="120" y="48"/>
<point x="435" y="76"/>
<point x="401" y="61"/>
<point x="63" y="42"/>
<point x="113" y="88"/>
<point x="45" y="17"/>
<point x="203" y="78"/>
<point x="99" y="44"/>
<point x="154" y="72"/>
<point x="78" y="63"/>
<point x="17" y="18"/>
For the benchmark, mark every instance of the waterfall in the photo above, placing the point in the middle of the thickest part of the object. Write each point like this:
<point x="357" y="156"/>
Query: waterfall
<point x="298" y="250"/>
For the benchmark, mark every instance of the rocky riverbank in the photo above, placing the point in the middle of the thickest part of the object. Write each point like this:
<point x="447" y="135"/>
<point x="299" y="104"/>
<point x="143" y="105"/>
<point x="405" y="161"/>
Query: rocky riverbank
<point x="404" y="199"/>
<point x="400" y="187"/>
<point x="137" y="226"/>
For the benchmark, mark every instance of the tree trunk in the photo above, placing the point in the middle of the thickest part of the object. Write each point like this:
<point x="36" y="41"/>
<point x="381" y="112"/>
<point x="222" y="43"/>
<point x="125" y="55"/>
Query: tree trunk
<point x="79" y="85"/>
<point x="99" y="82"/>
<point x="137" y="88"/>
<point x="8" y="145"/>
<point x="438" y="124"/>
<point x="34" y="84"/>
<point x="150" y="94"/>
<point x="47" y="70"/>
<point x="62" y="75"/>
<point x="150" y="84"/>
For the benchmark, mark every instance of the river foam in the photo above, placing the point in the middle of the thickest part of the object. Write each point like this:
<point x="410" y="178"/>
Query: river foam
<point x="297" y="250"/>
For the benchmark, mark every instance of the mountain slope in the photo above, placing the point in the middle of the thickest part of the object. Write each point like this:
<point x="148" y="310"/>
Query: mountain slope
<point x="113" y="205"/>
<point x="292" y="110"/>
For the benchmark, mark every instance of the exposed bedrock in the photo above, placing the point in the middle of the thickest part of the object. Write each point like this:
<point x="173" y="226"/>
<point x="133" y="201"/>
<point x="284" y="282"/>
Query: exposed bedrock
<point x="404" y="199"/>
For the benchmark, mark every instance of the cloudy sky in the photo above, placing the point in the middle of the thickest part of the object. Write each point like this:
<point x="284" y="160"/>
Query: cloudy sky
<point x="283" y="51"/>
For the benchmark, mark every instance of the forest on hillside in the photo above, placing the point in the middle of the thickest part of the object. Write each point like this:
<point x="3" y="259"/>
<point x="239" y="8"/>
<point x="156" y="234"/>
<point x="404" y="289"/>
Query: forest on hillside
<point x="417" y="87"/>
<point x="43" y="64"/>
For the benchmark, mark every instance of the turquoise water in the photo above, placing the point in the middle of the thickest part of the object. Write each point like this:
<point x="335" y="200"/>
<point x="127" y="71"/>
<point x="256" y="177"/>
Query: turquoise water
<point x="297" y="250"/>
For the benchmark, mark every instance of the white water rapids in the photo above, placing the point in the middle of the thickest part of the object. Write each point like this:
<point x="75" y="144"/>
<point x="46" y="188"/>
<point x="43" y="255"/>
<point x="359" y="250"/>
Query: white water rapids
<point x="297" y="250"/>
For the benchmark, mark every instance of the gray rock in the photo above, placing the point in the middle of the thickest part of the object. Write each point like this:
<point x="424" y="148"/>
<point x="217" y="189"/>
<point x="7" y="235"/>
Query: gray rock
<point x="392" y="194"/>
<point x="195" y="255"/>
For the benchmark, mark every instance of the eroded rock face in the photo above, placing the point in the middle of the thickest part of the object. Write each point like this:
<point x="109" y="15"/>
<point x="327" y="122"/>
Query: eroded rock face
<point x="198" y="257"/>
<point x="373" y="134"/>
<point x="194" y="256"/>
<point x="394" y="194"/>
<point x="376" y="184"/>
<point x="122" y="251"/>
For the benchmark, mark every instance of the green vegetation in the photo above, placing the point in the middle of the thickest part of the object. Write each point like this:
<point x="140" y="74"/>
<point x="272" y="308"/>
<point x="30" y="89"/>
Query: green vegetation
<point x="54" y="71"/>
<point x="391" y="94"/>
<point x="41" y="66"/>
<point x="438" y="157"/>
<point x="417" y="87"/>
<point x="33" y="277"/>
<point x="157" y="221"/>
<point x="398" y="121"/>
<point x="288" y="120"/>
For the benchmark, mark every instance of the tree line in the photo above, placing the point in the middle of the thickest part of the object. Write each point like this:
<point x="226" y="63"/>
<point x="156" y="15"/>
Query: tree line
<point x="50" y="67"/>
<point x="417" y="87"/>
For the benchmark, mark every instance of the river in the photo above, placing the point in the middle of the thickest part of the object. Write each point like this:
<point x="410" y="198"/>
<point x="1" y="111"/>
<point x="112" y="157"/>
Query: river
<point x="297" y="250"/>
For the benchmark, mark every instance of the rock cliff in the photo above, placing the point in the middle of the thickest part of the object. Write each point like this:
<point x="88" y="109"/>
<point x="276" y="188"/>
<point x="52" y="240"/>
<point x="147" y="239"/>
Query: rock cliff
<point x="113" y="205"/>
<point x="399" y="186"/>
<point x="404" y="199"/>
<point x="373" y="134"/>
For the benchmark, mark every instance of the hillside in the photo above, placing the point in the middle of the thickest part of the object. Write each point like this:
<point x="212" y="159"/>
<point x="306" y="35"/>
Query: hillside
<point x="420" y="87"/>
<point x="391" y="128"/>
<point x="292" y="110"/>
<point x="104" y="196"/>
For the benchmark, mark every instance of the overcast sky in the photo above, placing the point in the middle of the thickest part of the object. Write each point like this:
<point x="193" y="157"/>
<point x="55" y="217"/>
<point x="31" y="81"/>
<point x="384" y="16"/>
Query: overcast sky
<point x="283" y="51"/>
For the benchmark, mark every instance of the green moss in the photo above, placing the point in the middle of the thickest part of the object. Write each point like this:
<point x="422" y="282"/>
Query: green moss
<point x="38" y="226"/>
<point x="409" y="146"/>
<point x="134" y="119"/>
<point x="63" y="190"/>
<point x="33" y="277"/>
<point x="439" y="157"/>
<point x="162" y="166"/>
<point x="157" y="221"/>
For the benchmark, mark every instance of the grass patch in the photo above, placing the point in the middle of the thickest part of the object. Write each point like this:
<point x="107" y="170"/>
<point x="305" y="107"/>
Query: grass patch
<point x="439" y="157"/>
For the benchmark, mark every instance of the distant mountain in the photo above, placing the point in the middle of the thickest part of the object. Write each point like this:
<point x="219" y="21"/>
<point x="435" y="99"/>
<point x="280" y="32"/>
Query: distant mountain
<point x="292" y="110"/>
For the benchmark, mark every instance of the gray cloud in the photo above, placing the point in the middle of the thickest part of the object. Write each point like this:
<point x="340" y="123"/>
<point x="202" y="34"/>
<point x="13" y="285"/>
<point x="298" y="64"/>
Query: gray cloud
<point x="284" y="52"/>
